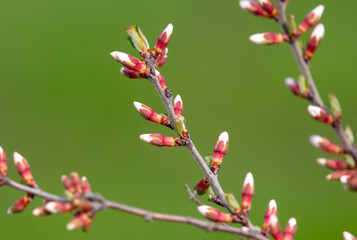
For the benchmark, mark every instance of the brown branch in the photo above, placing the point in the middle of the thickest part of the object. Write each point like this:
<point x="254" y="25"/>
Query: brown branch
<point x="305" y="70"/>
<point x="100" y="203"/>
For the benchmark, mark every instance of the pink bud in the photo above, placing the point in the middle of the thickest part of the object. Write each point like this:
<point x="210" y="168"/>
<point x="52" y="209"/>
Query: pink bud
<point x="160" y="140"/>
<point x="40" y="211"/>
<point x="271" y="210"/>
<point x="163" y="40"/>
<point x="314" y="41"/>
<point x="333" y="164"/>
<point x="269" y="7"/>
<point x="23" y="168"/>
<point x="219" y="151"/>
<point x="202" y="186"/>
<point x="20" y="205"/>
<point x="67" y="183"/>
<point x="348" y="236"/>
<point x="253" y="7"/>
<point x="338" y="174"/>
<point x="311" y="19"/>
<point x="178" y="105"/>
<point x="290" y="229"/>
<point x="130" y="73"/>
<point x="77" y="184"/>
<point x="161" y="59"/>
<point x="275" y="229"/>
<point x="215" y="215"/>
<point x="149" y="114"/>
<point x="247" y="193"/>
<point x="320" y="114"/>
<point x="293" y="85"/>
<point x="130" y="62"/>
<point x="81" y="220"/>
<point x="325" y="145"/>
<point x="268" y="38"/>
<point x="3" y="165"/>
<point x="59" y="207"/>
<point x="85" y="185"/>
<point x="161" y="80"/>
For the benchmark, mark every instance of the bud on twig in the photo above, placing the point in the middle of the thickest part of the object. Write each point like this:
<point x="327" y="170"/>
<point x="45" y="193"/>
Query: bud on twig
<point x="160" y="140"/>
<point x="269" y="7"/>
<point x="314" y="42"/>
<point x="202" y="186"/>
<point x="311" y="19"/>
<point x="130" y="73"/>
<point x="320" y="114"/>
<point x="268" y="38"/>
<point x="138" y="39"/>
<point x="325" y="145"/>
<point x="335" y="106"/>
<point x="293" y="85"/>
<point x="247" y="193"/>
<point x="130" y="62"/>
<point x="333" y="164"/>
<point x="163" y="40"/>
<point x="275" y="229"/>
<point x="149" y="114"/>
<point x="290" y="229"/>
<point x="20" y="205"/>
<point x="3" y="165"/>
<point x="215" y="215"/>
<point x="348" y="236"/>
<point x="271" y="210"/>
<point x="338" y="174"/>
<point x="219" y="151"/>
<point x="81" y="220"/>
<point x="23" y="168"/>
<point x="161" y="80"/>
<point x="161" y="59"/>
<point x="59" y="207"/>
<point x="85" y="185"/>
<point x="40" y="211"/>
<point x="253" y="7"/>
<point x="178" y="105"/>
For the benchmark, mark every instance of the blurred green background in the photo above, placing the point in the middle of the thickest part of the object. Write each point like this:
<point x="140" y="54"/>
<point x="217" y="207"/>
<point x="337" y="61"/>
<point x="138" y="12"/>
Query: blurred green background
<point x="66" y="107"/>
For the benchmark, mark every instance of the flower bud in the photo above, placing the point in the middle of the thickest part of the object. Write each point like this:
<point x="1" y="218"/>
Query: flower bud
<point x="348" y="236"/>
<point x="290" y="229"/>
<point x="311" y="19"/>
<point x="320" y="114"/>
<point x="269" y="7"/>
<point x="350" y="182"/>
<point x="202" y="186"/>
<point x="82" y="204"/>
<point x="247" y="193"/>
<point x="161" y="59"/>
<point x="77" y="184"/>
<point x="81" y="220"/>
<point x="275" y="229"/>
<point x="149" y="114"/>
<point x="130" y="73"/>
<point x="138" y="39"/>
<point x="271" y="210"/>
<point x="23" y="168"/>
<point x="130" y="62"/>
<point x="163" y="40"/>
<point x="59" y="207"/>
<point x="85" y="185"/>
<point x="20" y="205"/>
<point x="67" y="183"/>
<point x="178" y="105"/>
<point x="215" y="215"/>
<point x="3" y="165"/>
<point x="314" y="42"/>
<point x="219" y="151"/>
<point x="161" y="80"/>
<point x="253" y="7"/>
<point x="293" y="85"/>
<point x="268" y="38"/>
<point x="325" y="145"/>
<point x="338" y="174"/>
<point x="40" y="211"/>
<point x="333" y="164"/>
<point x="160" y="140"/>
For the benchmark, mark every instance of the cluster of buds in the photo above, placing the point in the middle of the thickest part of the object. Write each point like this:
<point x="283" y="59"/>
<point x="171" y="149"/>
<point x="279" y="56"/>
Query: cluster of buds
<point x="275" y="228"/>
<point x="138" y="68"/>
<point x="219" y="151"/>
<point x="265" y="8"/>
<point x="23" y="169"/>
<point x="76" y="189"/>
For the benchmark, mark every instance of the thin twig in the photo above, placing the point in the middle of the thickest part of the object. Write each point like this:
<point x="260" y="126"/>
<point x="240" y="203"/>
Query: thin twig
<point x="191" y="195"/>
<point x="305" y="70"/>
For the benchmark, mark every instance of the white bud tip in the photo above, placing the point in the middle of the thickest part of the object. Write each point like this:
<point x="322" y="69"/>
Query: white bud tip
<point x="321" y="161"/>
<point x="177" y="99"/>
<point x="348" y="236"/>
<point x="70" y="227"/>
<point x="84" y="178"/>
<point x="272" y="204"/>
<point x="273" y="220"/>
<point x="17" y="158"/>
<point x="290" y="81"/>
<point x="248" y="179"/>
<point x="1" y="150"/>
<point x="9" y="211"/>
<point x="315" y="140"/>
<point x="157" y="72"/>
<point x="169" y="29"/>
<point x="223" y="137"/>
<point x="51" y="207"/>
<point x="146" y="137"/>
<point x="292" y="222"/>
<point x="122" y="70"/>
<point x="244" y="4"/>
<point x="329" y="176"/>
<point x="261" y="2"/>
<point x="319" y="31"/>
<point x="257" y="38"/>
<point x="319" y="10"/>
<point x="120" y="56"/>
<point x="138" y="106"/>
<point x="203" y="209"/>
<point x="36" y="212"/>
<point x="314" y="111"/>
<point x="344" y="179"/>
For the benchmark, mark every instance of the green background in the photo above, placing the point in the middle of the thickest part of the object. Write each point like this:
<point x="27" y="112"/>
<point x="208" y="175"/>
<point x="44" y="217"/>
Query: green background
<point x="66" y="107"/>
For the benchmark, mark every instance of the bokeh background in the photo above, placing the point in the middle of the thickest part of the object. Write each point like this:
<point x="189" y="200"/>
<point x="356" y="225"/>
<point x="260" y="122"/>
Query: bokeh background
<point x="66" y="107"/>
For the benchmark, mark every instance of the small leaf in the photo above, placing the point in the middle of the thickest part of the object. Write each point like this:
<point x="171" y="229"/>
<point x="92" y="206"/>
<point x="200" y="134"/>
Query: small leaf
<point x="335" y="106"/>
<point x="232" y="201"/>
<point x="303" y="85"/>
<point x="349" y="134"/>
<point x="292" y="24"/>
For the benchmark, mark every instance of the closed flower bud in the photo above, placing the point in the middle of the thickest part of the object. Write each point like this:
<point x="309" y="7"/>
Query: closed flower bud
<point x="219" y="151"/>
<point x="338" y="174"/>
<point x="325" y="145"/>
<point x="138" y="39"/>
<point x="293" y="85"/>
<point x="149" y="114"/>
<point x="3" y="165"/>
<point x="320" y="114"/>
<point x="20" y="205"/>
<point x="348" y="236"/>
<point x="333" y="164"/>
<point x="59" y="207"/>
<point x="81" y="220"/>
<point x="269" y="7"/>
<point x="130" y="73"/>
<point x="82" y="204"/>
<point x="311" y="19"/>
<point x="163" y="40"/>
<point x="314" y="42"/>
<point x="202" y="186"/>
<point x="178" y="105"/>
<point x="41" y="211"/>
<point x="215" y="215"/>
<point x="271" y="210"/>
<point x="67" y="183"/>
<point x="268" y="38"/>
<point x="275" y="229"/>
<point x="160" y="140"/>
<point x="161" y="80"/>
<point x="161" y="59"/>
<point x="85" y="185"/>
<point x="290" y="229"/>
<point x="130" y="62"/>
<point x="247" y="193"/>
<point x="253" y="7"/>
<point x="77" y="184"/>
<point x="23" y="168"/>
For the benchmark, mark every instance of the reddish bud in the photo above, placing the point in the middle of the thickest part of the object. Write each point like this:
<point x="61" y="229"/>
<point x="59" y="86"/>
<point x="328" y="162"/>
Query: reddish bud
<point x="202" y="186"/>
<point x="149" y="114"/>
<point x="59" y="207"/>
<point x="275" y="229"/>
<point x="77" y="184"/>
<point x="3" y="165"/>
<point x="160" y="140"/>
<point x="311" y="19"/>
<point x="163" y="40"/>
<point x="253" y="7"/>
<point x="130" y="73"/>
<point x="320" y="114"/>
<point x="82" y="204"/>
<point x="268" y="38"/>
<point x="219" y="151"/>
<point x="41" y="211"/>
<point x="161" y="80"/>
<point x="178" y="105"/>
<point x="314" y="41"/>
<point x="290" y="229"/>
<point x="271" y="210"/>
<point x="247" y="193"/>
<point x="348" y="236"/>
<point x="161" y="59"/>
<point x="81" y="220"/>
<point x="130" y="62"/>
<point x="293" y="85"/>
<point x="325" y="145"/>
<point x="23" y="168"/>
<point x="85" y="185"/>
<point x="20" y="205"/>
<point x="333" y="164"/>
<point x="269" y="7"/>
<point x="215" y="215"/>
<point x="67" y="183"/>
<point x="338" y="174"/>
